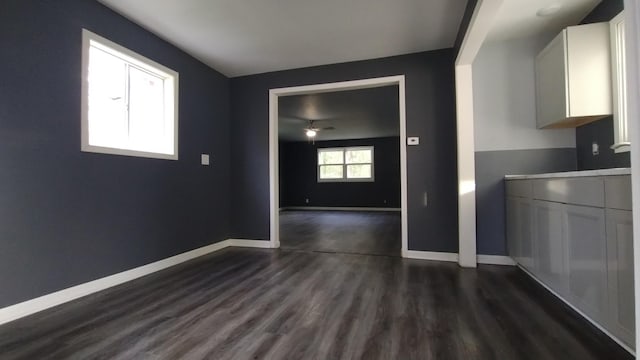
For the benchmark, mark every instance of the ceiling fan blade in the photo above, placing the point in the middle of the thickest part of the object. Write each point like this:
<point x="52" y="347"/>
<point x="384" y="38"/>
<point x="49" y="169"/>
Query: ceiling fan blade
<point x="293" y="117"/>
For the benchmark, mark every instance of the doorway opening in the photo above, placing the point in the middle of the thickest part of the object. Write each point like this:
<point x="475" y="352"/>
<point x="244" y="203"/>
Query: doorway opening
<point x="345" y="175"/>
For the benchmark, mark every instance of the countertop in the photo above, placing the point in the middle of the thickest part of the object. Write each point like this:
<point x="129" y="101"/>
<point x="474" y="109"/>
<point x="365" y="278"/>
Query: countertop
<point x="600" y="172"/>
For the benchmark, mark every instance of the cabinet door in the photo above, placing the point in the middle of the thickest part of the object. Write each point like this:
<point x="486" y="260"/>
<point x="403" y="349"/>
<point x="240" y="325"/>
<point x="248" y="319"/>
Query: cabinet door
<point x="525" y="233"/>
<point x="620" y="274"/>
<point x="513" y="248"/>
<point x="551" y="85"/>
<point x="549" y="255"/>
<point x="588" y="63"/>
<point x="586" y="259"/>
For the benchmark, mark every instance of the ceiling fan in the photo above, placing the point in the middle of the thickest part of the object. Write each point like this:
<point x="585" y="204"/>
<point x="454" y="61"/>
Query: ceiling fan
<point x="311" y="131"/>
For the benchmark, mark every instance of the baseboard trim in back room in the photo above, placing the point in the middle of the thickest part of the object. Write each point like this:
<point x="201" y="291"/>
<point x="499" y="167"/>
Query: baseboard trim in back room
<point x="338" y="208"/>
<point x="44" y="302"/>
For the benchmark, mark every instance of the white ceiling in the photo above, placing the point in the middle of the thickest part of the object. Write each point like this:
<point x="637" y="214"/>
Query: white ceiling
<point x="518" y="19"/>
<point x="243" y="37"/>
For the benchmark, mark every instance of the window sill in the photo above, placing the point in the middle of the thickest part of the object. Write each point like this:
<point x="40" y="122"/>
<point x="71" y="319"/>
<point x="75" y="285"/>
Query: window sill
<point x="621" y="147"/>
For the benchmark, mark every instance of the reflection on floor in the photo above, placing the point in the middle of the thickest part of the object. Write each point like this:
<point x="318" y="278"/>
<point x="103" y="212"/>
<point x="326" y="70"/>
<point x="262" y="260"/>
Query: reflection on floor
<point x="357" y="232"/>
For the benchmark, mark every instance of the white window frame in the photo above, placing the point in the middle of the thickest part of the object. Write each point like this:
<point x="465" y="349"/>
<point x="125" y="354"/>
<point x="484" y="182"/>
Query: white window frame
<point x="344" y="164"/>
<point x="621" y="141"/>
<point x="171" y="92"/>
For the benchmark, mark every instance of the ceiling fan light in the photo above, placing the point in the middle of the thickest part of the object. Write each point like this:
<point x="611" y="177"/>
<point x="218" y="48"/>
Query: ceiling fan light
<point x="311" y="133"/>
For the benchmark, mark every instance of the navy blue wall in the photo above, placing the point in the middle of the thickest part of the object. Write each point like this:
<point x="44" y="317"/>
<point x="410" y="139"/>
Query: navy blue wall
<point x="432" y="165"/>
<point x="600" y="131"/>
<point x="67" y="217"/>
<point x="299" y="176"/>
<point x="464" y="24"/>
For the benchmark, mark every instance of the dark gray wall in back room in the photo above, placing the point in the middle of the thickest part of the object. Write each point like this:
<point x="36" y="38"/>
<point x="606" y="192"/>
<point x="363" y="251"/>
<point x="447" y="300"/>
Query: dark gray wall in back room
<point x="431" y="165"/>
<point x="299" y="171"/>
<point x="601" y="131"/>
<point x="491" y="167"/>
<point x="68" y="217"/>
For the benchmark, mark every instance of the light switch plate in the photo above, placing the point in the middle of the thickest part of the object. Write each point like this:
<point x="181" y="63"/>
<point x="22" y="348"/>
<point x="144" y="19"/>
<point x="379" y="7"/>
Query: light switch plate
<point x="413" y="140"/>
<point x="204" y="159"/>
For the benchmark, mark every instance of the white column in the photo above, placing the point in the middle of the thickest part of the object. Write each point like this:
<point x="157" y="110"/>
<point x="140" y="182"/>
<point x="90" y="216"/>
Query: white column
<point x="466" y="167"/>
<point x="632" y="23"/>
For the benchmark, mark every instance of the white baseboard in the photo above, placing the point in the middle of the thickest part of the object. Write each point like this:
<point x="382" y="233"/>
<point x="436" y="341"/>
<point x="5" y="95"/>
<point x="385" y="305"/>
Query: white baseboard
<point x="496" y="260"/>
<point x="431" y="255"/>
<point x="338" y="208"/>
<point x="263" y="244"/>
<point x="44" y="302"/>
<point x="593" y="322"/>
<point x="453" y="257"/>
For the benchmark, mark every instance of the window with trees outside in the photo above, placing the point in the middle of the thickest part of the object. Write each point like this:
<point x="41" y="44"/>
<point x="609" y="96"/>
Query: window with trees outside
<point x="349" y="164"/>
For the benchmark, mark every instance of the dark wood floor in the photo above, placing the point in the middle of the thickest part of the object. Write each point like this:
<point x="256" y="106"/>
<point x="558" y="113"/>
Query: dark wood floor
<point x="373" y="233"/>
<point x="266" y="304"/>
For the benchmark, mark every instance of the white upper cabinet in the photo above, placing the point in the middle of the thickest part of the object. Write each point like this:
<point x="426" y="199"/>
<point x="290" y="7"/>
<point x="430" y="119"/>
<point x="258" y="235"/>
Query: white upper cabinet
<point x="573" y="77"/>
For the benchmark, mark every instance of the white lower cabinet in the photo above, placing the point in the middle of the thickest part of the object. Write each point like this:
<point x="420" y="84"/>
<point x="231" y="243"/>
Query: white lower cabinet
<point x="584" y="252"/>
<point x="620" y="274"/>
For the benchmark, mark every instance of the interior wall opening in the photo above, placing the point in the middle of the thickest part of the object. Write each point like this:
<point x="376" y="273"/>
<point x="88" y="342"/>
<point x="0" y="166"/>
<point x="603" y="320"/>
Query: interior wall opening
<point x="339" y="169"/>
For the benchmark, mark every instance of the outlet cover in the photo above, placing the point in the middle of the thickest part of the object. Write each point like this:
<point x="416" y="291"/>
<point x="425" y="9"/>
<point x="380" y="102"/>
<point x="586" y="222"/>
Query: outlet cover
<point x="204" y="159"/>
<point x="413" y="140"/>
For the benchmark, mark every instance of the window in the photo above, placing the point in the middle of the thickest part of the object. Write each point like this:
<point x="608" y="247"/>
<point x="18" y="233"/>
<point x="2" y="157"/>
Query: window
<point x="345" y="164"/>
<point x="621" y="136"/>
<point x="129" y="103"/>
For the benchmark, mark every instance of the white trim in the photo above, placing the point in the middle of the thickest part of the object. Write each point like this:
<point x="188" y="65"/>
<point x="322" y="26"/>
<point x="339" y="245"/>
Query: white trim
<point x="263" y="244"/>
<point x="479" y="26"/>
<point x="593" y="322"/>
<point x="481" y="23"/>
<point x="619" y="84"/>
<point x="172" y="90"/>
<point x="44" y="302"/>
<point x="274" y="194"/>
<point x="496" y="260"/>
<point x="339" y="208"/>
<point x="466" y="168"/>
<point x="432" y="255"/>
<point x="454" y="257"/>
<point x="632" y="32"/>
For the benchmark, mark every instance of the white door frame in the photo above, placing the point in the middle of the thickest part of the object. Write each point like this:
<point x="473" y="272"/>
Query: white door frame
<point x="274" y="181"/>
<point x="632" y="32"/>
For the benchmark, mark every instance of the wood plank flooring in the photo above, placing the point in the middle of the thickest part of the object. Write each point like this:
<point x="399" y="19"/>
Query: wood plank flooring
<point x="355" y="232"/>
<point x="273" y="304"/>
